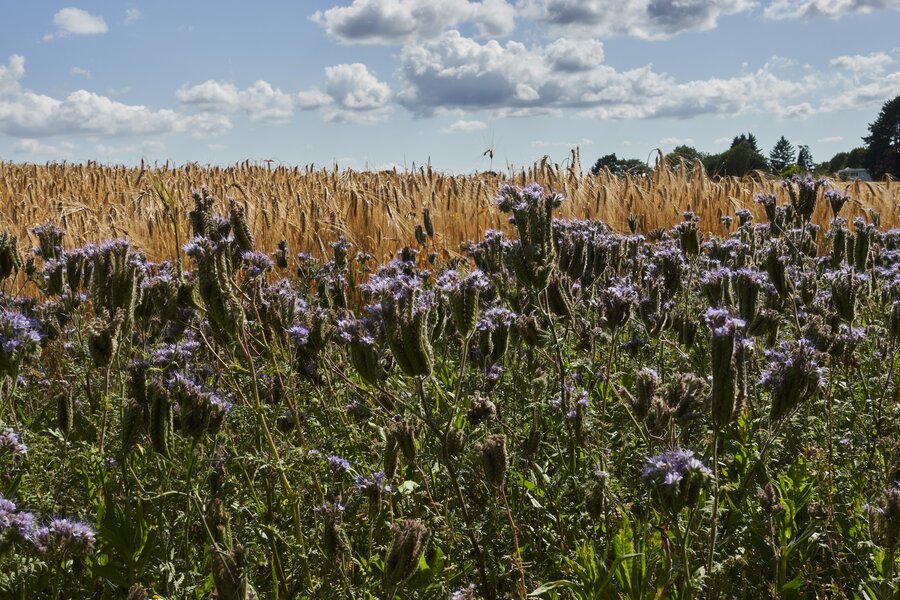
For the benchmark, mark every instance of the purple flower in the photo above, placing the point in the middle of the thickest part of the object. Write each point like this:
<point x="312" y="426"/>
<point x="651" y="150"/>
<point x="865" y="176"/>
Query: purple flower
<point x="675" y="478"/>
<point x="374" y="482"/>
<point x="338" y="464"/>
<point x="257" y="263"/>
<point x="11" y="444"/>
<point x="65" y="537"/>
<point x="300" y="334"/>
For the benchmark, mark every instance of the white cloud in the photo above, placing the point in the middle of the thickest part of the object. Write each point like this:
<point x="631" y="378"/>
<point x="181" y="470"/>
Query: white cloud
<point x="398" y="21"/>
<point x="455" y="72"/>
<point x="873" y="63"/>
<point x="671" y="142"/>
<point x="648" y="19"/>
<point x="462" y="126"/>
<point x="11" y="73"/>
<point x="33" y="147"/>
<point x="27" y="114"/>
<point x="80" y="72"/>
<point x="312" y="99"/>
<point x="75" y="21"/>
<point x="132" y="15"/>
<point x="854" y="96"/>
<point x="830" y="139"/>
<point x="352" y="94"/>
<point x="795" y="9"/>
<point x="574" y="55"/>
<point x="260" y="101"/>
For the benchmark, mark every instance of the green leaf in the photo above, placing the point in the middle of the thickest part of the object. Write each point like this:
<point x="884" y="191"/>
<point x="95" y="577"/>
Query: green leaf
<point x="550" y="586"/>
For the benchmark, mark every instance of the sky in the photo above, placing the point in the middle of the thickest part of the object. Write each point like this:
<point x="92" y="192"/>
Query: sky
<point x="383" y="83"/>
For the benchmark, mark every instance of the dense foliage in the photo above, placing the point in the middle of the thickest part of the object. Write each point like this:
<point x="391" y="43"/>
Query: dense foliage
<point x="570" y="412"/>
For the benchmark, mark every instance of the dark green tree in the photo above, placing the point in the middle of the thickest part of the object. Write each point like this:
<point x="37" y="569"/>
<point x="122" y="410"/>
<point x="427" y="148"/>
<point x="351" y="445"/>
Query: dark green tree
<point x="620" y="166"/>
<point x="804" y="158"/>
<point x="883" y="142"/>
<point x="781" y="156"/>
<point x="742" y="158"/>
<point x="837" y="162"/>
<point x="684" y="154"/>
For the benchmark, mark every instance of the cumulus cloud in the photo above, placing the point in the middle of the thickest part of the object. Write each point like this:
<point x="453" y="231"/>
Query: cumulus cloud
<point x="398" y="21"/>
<point x="648" y="19"/>
<point x="27" y="114"/>
<point x="873" y="63"/>
<point x="352" y="94"/>
<point x="854" y="96"/>
<point x="260" y="101"/>
<point x="75" y="21"/>
<point x="455" y="72"/>
<point x="833" y="9"/>
<point x="671" y="142"/>
<point x="33" y="147"/>
<point x="80" y="72"/>
<point x="132" y="15"/>
<point x="462" y="126"/>
<point x="11" y="73"/>
<point x="830" y="139"/>
<point x="574" y="55"/>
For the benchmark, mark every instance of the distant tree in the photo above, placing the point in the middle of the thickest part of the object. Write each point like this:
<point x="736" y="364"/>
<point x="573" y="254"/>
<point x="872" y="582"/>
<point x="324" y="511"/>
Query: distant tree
<point x="804" y="158"/>
<point x="742" y="158"/>
<point x="781" y="156"/>
<point x="883" y="142"/>
<point x="837" y="162"/>
<point x="844" y="160"/>
<point x="856" y="158"/>
<point x="688" y="154"/>
<point x="620" y="166"/>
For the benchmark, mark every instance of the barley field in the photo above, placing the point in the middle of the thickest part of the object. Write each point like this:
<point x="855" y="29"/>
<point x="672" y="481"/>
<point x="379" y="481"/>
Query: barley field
<point x="377" y="211"/>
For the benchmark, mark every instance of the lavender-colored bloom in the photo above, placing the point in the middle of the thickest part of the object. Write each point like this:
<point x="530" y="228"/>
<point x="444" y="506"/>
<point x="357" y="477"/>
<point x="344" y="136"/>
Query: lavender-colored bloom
<point x="11" y="444"/>
<point x="338" y="464"/>
<point x="15" y="525"/>
<point x="792" y="375"/>
<point x="257" y="263"/>
<point x="675" y="478"/>
<point x="65" y="537"/>
<point x="464" y="593"/>
<point x="177" y="353"/>
<point x="496" y="317"/>
<point x="375" y="482"/>
<point x="19" y="335"/>
<point x="583" y="399"/>
<point x="495" y="373"/>
<point x="515" y="199"/>
<point x="300" y="334"/>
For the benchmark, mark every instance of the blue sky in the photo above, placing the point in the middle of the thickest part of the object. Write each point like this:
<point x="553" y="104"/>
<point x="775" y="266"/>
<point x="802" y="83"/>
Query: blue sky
<point x="377" y="83"/>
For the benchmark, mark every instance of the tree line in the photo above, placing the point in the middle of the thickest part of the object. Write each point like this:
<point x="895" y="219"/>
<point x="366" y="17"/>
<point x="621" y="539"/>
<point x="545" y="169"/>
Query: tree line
<point x="880" y="155"/>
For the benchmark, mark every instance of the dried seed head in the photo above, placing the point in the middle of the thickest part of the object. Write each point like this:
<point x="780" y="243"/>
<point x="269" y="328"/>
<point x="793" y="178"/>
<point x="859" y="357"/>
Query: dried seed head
<point x="884" y="518"/>
<point x="482" y="410"/>
<point x="136" y="592"/>
<point x="456" y="441"/>
<point x="406" y="550"/>
<point x="768" y="500"/>
<point x="493" y="459"/>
